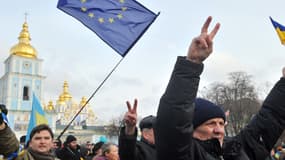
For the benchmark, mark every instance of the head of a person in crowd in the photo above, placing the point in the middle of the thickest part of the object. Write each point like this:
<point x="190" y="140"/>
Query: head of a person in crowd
<point x="279" y="148"/>
<point x="57" y="143"/>
<point x="209" y="121"/>
<point x="84" y="151"/>
<point x="146" y="126"/>
<point x="272" y="152"/>
<point x="88" y="145"/>
<point x="41" y="139"/>
<point x="71" y="142"/>
<point x="110" y="151"/>
<point x="3" y="109"/>
<point x="97" y="149"/>
<point x="23" y="139"/>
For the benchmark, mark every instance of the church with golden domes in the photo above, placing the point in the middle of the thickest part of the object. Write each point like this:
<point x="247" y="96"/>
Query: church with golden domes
<point x="22" y="78"/>
<point x="66" y="108"/>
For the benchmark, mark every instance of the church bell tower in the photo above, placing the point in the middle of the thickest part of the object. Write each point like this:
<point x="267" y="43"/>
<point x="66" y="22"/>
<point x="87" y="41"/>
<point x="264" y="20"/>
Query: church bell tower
<point x="22" y="78"/>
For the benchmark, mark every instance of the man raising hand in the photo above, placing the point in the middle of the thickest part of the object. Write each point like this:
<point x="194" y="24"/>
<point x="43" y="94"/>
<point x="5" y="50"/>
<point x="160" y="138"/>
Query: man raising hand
<point x="129" y="147"/>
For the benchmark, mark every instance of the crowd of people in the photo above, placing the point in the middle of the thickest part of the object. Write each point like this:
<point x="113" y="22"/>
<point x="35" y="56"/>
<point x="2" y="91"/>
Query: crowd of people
<point x="185" y="128"/>
<point x="43" y="146"/>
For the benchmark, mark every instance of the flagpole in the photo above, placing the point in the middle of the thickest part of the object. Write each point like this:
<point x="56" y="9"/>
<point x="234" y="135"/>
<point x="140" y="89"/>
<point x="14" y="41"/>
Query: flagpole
<point x="101" y="84"/>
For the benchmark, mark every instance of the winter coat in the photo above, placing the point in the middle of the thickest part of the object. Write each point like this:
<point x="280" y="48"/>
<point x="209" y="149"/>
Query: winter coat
<point x="66" y="153"/>
<point x="174" y="128"/>
<point x="29" y="154"/>
<point x="131" y="149"/>
<point x="8" y="142"/>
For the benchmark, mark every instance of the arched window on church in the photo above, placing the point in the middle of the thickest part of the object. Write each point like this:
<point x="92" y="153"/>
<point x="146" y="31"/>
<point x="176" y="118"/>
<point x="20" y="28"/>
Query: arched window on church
<point x="26" y="93"/>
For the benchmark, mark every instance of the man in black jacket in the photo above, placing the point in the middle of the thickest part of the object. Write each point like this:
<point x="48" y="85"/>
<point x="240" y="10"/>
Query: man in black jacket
<point x="70" y="150"/>
<point x="188" y="128"/>
<point x="129" y="147"/>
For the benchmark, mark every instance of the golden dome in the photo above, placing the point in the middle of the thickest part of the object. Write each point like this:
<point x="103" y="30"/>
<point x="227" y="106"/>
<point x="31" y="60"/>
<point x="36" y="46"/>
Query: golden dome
<point x="65" y="95"/>
<point x="50" y="106"/>
<point x="90" y="113"/>
<point x="74" y="107"/>
<point x="24" y="48"/>
<point x="60" y="100"/>
<point x="83" y="101"/>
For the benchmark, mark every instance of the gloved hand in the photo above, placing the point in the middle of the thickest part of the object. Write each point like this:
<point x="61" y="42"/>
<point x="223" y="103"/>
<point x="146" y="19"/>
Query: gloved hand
<point x="4" y="110"/>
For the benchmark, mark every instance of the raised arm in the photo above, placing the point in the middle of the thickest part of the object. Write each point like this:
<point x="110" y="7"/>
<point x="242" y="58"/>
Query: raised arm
<point x="130" y="118"/>
<point x="174" y="129"/>
<point x="128" y="133"/>
<point x="263" y="131"/>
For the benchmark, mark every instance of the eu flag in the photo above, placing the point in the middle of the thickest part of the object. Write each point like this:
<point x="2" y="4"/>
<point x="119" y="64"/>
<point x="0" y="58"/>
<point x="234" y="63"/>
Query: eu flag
<point x="37" y="116"/>
<point x="280" y="29"/>
<point x="120" y="23"/>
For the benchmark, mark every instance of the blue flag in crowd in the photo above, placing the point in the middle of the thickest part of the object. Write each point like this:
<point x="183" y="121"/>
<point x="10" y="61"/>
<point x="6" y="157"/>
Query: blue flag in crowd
<point x="120" y="23"/>
<point x="37" y="116"/>
<point x="280" y="29"/>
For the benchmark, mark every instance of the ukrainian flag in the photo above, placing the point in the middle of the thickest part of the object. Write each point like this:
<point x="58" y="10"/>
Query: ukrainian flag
<point x="37" y="116"/>
<point x="280" y="29"/>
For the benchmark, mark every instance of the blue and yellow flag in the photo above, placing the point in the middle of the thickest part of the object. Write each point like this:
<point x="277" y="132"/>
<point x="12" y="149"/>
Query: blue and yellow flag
<point x="280" y="29"/>
<point x="119" y="23"/>
<point x="37" y="116"/>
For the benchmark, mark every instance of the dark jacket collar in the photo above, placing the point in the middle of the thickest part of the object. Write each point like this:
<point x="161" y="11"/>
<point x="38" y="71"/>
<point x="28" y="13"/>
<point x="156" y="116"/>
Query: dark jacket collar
<point x="145" y="141"/>
<point x="212" y="147"/>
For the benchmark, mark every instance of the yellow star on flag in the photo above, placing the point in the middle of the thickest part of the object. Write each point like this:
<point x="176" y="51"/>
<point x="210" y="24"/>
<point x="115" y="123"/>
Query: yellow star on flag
<point x="120" y="16"/>
<point x="91" y="15"/>
<point x="111" y="20"/>
<point x="101" y="20"/>
<point x="124" y="8"/>
<point x="84" y="9"/>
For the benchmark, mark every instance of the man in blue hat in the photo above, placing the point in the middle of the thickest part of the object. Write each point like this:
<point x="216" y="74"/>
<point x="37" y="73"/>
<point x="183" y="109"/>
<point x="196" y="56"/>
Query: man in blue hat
<point x="129" y="147"/>
<point x="188" y="128"/>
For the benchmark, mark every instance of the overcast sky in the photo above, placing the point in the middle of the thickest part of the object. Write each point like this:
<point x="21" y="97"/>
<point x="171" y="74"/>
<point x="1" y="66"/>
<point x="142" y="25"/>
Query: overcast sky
<point x="246" y="42"/>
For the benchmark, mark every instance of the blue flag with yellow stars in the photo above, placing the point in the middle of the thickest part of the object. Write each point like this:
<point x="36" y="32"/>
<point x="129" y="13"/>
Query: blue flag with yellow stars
<point x="280" y="29"/>
<point x="120" y="23"/>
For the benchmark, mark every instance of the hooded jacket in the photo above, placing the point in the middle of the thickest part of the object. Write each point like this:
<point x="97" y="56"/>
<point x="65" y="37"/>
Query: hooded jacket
<point x="175" y="116"/>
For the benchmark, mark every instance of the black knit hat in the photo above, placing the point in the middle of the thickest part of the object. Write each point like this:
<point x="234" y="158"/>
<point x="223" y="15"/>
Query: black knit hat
<point x="69" y="139"/>
<point x="147" y="122"/>
<point x="205" y="110"/>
